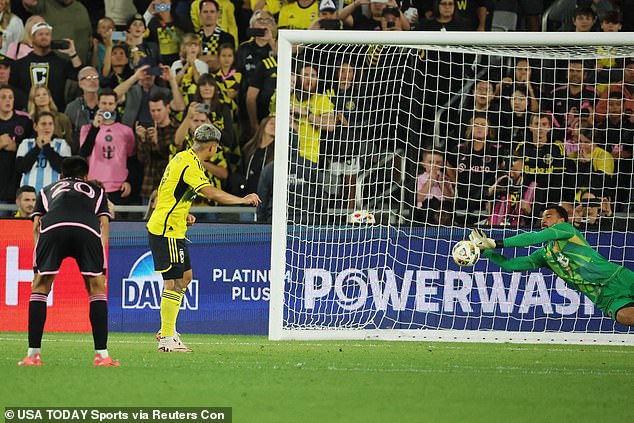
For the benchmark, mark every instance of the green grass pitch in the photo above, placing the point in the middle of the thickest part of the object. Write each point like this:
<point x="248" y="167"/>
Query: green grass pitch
<point x="330" y="381"/>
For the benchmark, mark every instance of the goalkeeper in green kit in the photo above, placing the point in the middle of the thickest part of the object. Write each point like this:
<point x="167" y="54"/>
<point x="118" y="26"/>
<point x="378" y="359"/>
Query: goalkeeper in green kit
<point x="568" y="254"/>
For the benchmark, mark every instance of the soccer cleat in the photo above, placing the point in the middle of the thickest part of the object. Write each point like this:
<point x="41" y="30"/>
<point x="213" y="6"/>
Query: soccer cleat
<point x="105" y="362"/>
<point x="177" y="335"/>
<point x="172" y="344"/>
<point x="36" y="360"/>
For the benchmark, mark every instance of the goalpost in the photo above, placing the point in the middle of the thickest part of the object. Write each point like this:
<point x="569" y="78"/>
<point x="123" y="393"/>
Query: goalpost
<point x="362" y="148"/>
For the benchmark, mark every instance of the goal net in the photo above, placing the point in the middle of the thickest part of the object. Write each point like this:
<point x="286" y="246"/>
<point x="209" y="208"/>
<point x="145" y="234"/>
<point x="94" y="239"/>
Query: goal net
<point x="400" y="143"/>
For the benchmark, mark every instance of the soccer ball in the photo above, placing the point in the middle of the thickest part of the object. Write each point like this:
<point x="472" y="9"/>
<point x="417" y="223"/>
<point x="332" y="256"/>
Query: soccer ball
<point x="465" y="253"/>
<point x="361" y="216"/>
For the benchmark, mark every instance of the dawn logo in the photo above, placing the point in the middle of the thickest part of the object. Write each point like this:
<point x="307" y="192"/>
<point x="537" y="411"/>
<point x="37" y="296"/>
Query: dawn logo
<point x="143" y="287"/>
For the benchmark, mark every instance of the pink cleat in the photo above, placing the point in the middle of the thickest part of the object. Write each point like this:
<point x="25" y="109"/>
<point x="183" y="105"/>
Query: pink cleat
<point x="36" y="360"/>
<point x="105" y="362"/>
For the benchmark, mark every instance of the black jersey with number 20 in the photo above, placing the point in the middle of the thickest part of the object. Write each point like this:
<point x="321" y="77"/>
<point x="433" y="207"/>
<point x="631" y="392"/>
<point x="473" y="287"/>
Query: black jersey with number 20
<point x="72" y="202"/>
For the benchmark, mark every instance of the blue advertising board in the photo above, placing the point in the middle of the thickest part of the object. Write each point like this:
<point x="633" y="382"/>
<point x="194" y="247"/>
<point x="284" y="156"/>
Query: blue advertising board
<point x="229" y="292"/>
<point x="373" y="277"/>
<point x="390" y="278"/>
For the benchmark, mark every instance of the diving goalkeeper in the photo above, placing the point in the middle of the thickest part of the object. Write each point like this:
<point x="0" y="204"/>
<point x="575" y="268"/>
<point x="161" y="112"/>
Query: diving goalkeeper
<point x="568" y="254"/>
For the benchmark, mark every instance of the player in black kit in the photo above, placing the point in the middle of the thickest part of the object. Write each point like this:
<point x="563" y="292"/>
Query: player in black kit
<point x="70" y="219"/>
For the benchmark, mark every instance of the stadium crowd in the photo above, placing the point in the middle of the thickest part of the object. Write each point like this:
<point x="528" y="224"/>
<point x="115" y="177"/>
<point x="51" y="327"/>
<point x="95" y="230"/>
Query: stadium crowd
<point x="126" y="83"/>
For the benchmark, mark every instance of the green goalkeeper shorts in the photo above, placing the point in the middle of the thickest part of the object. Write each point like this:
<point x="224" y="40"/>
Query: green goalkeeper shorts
<point x="617" y="293"/>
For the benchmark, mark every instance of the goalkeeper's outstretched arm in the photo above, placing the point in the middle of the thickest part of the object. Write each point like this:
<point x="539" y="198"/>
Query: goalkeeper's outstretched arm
<point x="559" y="231"/>
<point x="533" y="261"/>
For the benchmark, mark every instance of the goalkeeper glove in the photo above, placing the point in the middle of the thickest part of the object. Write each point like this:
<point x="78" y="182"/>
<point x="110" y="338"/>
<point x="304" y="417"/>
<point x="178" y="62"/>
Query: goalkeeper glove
<point x="480" y="240"/>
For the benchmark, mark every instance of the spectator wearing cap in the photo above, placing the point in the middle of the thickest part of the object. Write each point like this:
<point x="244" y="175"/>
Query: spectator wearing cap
<point x="391" y="19"/>
<point x="298" y="14"/>
<point x="81" y="111"/>
<point x="15" y="126"/>
<point x="20" y="48"/>
<point x="329" y="17"/>
<point x="138" y="47"/>
<point x="71" y="20"/>
<point x="137" y="90"/>
<point x="5" y="74"/>
<point x="45" y="67"/>
<point x="211" y="35"/>
<point x="12" y="26"/>
<point x="361" y="22"/>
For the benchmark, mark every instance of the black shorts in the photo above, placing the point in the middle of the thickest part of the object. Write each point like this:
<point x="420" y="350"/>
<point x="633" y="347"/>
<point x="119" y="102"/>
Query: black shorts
<point x="54" y="245"/>
<point x="171" y="256"/>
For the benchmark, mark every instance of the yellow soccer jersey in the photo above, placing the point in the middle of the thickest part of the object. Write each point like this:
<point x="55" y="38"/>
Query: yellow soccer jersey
<point x="184" y="176"/>
<point x="309" y="134"/>
<point x="293" y="16"/>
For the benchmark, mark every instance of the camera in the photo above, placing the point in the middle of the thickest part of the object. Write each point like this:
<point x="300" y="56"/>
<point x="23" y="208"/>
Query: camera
<point x="60" y="44"/>
<point x="256" y="32"/>
<point x="162" y="7"/>
<point x="203" y="108"/>
<point x="109" y="115"/>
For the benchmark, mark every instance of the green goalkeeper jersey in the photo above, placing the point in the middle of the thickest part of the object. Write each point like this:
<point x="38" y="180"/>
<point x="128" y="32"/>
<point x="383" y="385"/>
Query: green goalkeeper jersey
<point x="567" y="253"/>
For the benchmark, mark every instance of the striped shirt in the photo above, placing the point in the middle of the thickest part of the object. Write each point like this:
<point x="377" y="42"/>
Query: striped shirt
<point x="42" y="172"/>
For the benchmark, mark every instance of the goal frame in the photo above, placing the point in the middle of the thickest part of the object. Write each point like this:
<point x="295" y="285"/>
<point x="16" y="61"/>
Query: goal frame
<point x="286" y="38"/>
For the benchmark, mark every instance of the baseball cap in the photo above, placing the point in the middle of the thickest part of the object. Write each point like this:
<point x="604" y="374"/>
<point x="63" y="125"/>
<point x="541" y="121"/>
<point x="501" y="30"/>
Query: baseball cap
<point x="40" y="25"/>
<point x="135" y="17"/>
<point x="5" y="60"/>
<point x="207" y="133"/>
<point x="327" y="6"/>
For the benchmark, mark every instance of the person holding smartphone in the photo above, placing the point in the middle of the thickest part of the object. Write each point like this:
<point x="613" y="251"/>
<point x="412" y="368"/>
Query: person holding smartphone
<point x="44" y="66"/>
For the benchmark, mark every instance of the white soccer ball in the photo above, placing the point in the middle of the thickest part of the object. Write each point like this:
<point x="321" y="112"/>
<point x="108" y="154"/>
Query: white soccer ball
<point x="465" y="253"/>
<point x="361" y="216"/>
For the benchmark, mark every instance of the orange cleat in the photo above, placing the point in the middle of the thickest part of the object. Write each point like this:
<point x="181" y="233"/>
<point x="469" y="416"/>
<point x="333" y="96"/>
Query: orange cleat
<point x="105" y="362"/>
<point x="36" y="360"/>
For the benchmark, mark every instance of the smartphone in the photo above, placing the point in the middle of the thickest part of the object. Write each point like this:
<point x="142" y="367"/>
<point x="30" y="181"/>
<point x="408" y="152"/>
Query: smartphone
<point x="256" y="32"/>
<point x="162" y="7"/>
<point x="330" y="24"/>
<point x="60" y="44"/>
<point x="118" y="36"/>
<point x="155" y="70"/>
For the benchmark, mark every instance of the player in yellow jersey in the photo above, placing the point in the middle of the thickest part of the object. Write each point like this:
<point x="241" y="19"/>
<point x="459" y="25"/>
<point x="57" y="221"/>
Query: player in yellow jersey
<point x="184" y="179"/>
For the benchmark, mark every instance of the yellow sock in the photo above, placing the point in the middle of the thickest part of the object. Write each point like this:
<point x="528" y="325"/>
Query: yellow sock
<point x="170" y="304"/>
